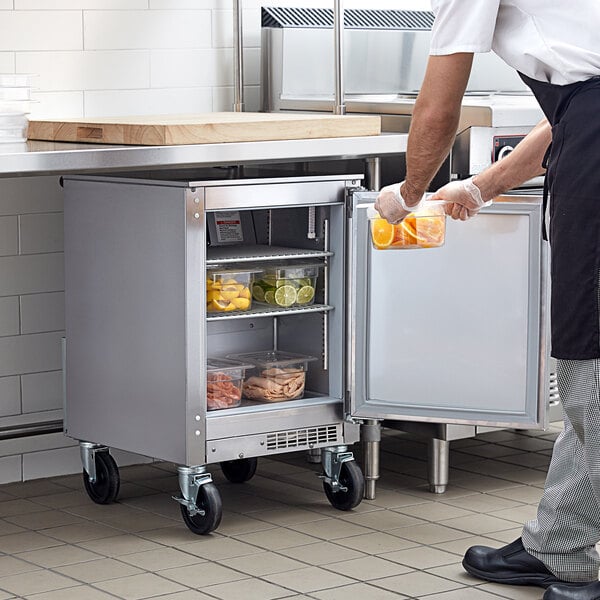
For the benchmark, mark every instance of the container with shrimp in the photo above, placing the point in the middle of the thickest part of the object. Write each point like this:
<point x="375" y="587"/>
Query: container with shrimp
<point x="224" y="380"/>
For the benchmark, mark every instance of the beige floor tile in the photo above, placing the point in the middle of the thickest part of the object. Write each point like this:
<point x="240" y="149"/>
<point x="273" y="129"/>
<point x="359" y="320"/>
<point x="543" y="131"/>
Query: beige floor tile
<point x="330" y="529"/>
<point x="44" y="519"/>
<point x="513" y="592"/>
<point x="423" y="557"/>
<point x="80" y="532"/>
<point x="276" y="539"/>
<point x="357" y="590"/>
<point x="322" y="553"/>
<point x="6" y="595"/>
<point x="236" y="524"/>
<point x="430" y="533"/>
<point x="479" y="524"/>
<point x="81" y="592"/>
<point x="13" y="566"/>
<point x="262" y="563"/>
<point x="504" y="537"/>
<point x="35" y="582"/>
<point x="34" y="488"/>
<point x="162" y="558"/>
<point x="28" y="540"/>
<point x="21" y="506"/>
<point x="249" y="589"/>
<point x="367" y="568"/>
<point x="63" y="499"/>
<point x="136" y="587"/>
<point x="454" y="572"/>
<point x="58" y="556"/>
<point x="309" y="579"/>
<point x="288" y="516"/>
<point x="463" y="594"/>
<point x="218" y="548"/>
<point x="98" y="570"/>
<point x="435" y="511"/>
<point x="383" y="520"/>
<point x="7" y="528"/>
<point x="484" y="503"/>
<point x="187" y="595"/>
<point x="120" y="544"/>
<point x="376" y="543"/>
<point x="519" y="514"/>
<point x="385" y="498"/>
<point x="461" y="546"/>
<point x="416" y="584"/>
<point x="174" y="535"/>
<point x="521" y="493"/>
<point x="202" y="575"/>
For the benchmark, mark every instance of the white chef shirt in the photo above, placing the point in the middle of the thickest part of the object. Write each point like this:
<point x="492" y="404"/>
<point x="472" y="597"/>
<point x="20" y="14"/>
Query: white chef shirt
<point x="557" y="42"/>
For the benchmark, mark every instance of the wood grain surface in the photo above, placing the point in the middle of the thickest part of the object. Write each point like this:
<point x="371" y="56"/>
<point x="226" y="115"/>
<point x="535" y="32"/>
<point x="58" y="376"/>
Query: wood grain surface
<point x="206" y="128"/>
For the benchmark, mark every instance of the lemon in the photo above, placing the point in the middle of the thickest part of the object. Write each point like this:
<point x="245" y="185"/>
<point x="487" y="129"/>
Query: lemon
<point x="241" y="303"/>
<point x="220" y="305"/>
<point x="258" y="293"/>
<point x="229" y="292"/>
<point x="245" y="293"/>
<point x="231" y="306"/>
<point x="285" y="295"/>
<point x="230" y="281"/>
<point x="305" y="294"/>
<point x="213" y="295"/>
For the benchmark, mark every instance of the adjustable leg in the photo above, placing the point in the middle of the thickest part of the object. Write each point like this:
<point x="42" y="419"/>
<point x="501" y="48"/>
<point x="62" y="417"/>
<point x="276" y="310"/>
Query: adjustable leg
<point x="438" y="465"/>
<point x="370" y="435"/>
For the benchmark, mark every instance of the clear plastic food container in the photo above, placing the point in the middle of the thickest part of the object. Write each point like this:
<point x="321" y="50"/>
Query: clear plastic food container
<point x="15" y="93"/>
<point x="292" y="284"/>
<point x="229" y="289"/>
<point x="425" y="228"/>
<point x="276" y="376"/>
<point x="224" y="380"/>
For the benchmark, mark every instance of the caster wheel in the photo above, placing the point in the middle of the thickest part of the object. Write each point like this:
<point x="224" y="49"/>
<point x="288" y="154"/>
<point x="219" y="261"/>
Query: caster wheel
<point x="239" y="471"/>
<point x="352" y="478"/>
<point x="106" y="487"/>
<point x="209" y="500"/>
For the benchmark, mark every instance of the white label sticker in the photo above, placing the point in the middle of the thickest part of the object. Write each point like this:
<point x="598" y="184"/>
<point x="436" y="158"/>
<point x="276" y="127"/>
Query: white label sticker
<point x="229" y="226"/>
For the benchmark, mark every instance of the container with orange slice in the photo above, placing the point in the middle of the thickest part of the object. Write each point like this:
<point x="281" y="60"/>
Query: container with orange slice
<point x="425" y="228"/>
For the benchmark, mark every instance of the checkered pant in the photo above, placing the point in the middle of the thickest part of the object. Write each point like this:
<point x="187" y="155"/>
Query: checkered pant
<point x="567" y="527"/>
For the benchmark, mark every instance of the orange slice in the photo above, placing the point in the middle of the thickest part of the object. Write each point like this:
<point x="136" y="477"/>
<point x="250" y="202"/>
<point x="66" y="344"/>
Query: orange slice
<point x="382" y="233"/>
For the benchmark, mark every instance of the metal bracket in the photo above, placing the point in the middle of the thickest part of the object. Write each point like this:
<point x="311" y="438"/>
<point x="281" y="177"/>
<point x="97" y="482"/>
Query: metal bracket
<point x="332" y="459"/>
<point x="190" y="480"/>
<point x="88" y="451"/>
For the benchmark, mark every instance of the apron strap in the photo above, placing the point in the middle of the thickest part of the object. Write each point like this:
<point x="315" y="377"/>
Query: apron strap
<point x="546" y="192"/>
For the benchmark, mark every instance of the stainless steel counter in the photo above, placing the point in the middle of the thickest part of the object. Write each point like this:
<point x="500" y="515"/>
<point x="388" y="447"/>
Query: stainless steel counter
<point x="52" y="158"/>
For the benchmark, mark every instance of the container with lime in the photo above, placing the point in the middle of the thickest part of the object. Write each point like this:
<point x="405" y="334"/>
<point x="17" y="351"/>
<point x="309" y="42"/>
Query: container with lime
<point x="288" y="285"/>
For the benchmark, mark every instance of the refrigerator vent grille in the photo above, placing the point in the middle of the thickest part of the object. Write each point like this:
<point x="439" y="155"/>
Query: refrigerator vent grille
<point x="303" y="438"/>
<point x="405" y="20"/>
<point x="553" y="395"/>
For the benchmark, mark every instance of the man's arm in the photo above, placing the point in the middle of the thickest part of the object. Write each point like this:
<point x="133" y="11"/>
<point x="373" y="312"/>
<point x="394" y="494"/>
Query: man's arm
<point x="432" y="132"/>
<point x="434" y="121"/>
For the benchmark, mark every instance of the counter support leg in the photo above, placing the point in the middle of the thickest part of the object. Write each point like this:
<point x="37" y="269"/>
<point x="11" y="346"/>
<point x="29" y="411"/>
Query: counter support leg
<point x="438" y="465"/>
<point x="370" y="435"/>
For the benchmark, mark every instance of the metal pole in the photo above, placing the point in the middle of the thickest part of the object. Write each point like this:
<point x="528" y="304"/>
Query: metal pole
<point x="238" y="58"/>
<point x="338" y="33"/>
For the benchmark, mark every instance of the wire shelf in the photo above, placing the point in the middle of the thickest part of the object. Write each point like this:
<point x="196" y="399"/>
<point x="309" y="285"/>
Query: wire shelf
<point x="268" y="311"/>
<point x="237" y="254"/>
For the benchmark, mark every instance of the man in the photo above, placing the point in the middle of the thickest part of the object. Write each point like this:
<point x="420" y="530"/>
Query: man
<point x="555" y="48"/>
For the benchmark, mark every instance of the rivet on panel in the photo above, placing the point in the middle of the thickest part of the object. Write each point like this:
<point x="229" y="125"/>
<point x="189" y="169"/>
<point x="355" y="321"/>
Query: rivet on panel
<point x="196" y="215"/>
<point x="197" y="432"/>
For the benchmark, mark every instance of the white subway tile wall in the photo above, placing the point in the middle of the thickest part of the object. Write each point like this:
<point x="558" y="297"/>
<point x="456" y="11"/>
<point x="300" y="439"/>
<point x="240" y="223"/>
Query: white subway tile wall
<point x="96" y="58"/>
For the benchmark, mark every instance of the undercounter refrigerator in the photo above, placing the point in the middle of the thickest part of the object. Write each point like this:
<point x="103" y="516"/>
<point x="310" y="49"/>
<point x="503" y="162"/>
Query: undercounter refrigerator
<point x="215" y="321"/>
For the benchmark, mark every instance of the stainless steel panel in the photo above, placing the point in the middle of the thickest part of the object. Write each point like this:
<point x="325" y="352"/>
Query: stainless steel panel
<point x="455" y="334"/>
<point x="126" y="317"/>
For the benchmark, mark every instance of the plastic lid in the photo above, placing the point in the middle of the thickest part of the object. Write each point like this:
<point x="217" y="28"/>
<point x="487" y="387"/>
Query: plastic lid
<point x="271" y="357"/>
<point x="217" y="270"/>
<point x="223" y="364"/>
<point x="428" y="208"/>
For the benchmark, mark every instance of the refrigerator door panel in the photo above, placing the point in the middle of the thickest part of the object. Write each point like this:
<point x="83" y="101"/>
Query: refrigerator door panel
<point x="455" y="334"/>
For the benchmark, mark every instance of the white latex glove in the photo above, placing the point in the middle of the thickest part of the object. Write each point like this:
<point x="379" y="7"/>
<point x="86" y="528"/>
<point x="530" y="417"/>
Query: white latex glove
<point x="391" y="205"/>
<point x="463" y="199"/>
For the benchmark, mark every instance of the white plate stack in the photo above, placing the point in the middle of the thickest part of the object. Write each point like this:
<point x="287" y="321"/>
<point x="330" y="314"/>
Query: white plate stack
<point x="15" y="105"/>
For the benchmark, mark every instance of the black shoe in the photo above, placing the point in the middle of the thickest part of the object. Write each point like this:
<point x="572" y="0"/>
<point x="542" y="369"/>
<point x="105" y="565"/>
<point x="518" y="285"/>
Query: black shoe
<point x="591" y="591"/>
<point x="511" y="564"/>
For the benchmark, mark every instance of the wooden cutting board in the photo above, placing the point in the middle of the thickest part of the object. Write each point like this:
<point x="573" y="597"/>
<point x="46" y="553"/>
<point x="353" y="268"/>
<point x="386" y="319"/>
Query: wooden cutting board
<point x="207" y="128"/>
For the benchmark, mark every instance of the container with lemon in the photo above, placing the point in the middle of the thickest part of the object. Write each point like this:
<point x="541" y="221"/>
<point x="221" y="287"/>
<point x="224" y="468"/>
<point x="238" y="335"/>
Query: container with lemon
<point x="228" y="290"/>
<point x="288" y="285"/>
<point x="425" y="228"/>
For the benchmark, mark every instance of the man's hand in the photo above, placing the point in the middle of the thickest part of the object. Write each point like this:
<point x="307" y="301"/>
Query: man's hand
<point x="391" y="205"/>
<point x="463" y="199"/>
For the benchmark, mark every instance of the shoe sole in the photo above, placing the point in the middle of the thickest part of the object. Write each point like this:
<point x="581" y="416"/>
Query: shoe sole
<point x="538" y="580"/>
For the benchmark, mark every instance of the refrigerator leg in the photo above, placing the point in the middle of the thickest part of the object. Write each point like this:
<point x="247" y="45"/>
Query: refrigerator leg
<point x="370" y="434"/>
<point x="438" y="465"/>
<point x="313" y="456"/>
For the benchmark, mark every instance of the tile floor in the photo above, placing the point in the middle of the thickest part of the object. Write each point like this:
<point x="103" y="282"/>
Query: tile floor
<point x="279" y="537"/>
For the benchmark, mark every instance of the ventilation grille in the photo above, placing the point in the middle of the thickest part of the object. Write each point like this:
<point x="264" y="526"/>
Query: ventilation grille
<point x="303" y="438"/>
<point x="553" y="395"/>
<point x="407" y="20"/>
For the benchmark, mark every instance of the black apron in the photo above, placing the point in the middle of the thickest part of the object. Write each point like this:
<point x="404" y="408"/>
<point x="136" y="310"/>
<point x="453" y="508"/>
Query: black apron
<point x="572" y="184"/>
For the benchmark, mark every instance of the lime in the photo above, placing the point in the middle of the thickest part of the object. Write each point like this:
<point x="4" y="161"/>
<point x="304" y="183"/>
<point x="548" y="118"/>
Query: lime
<point x="270" y="297"/>
<point x="281" y="282"/>
<point x="306" y="294"/>
<point x="285" y="295"/>
<point x="305" y="281"/>
<point x="258" y="293"/>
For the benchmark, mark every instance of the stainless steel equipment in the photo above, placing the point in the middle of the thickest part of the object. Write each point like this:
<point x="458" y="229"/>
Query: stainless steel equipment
<point x="137" y="334"/>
